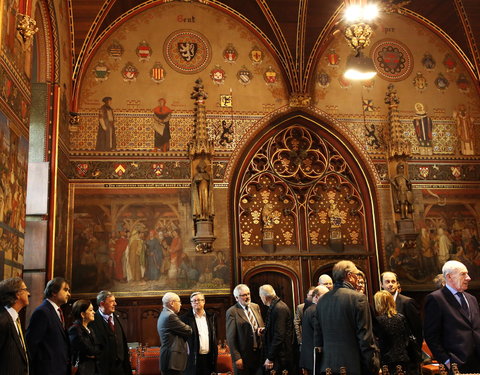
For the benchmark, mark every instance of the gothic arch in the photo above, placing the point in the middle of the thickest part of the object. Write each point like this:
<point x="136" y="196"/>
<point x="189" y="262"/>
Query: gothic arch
<point x="310" y="187"/>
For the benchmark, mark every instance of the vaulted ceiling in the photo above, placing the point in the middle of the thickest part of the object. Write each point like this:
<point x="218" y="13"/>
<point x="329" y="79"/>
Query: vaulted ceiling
<point x="296" y="30"/>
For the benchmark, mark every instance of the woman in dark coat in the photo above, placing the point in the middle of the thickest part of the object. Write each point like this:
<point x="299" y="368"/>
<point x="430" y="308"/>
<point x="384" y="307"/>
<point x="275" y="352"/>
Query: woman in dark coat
<point x="392" y="332"/>
<point x="82" y="339"/>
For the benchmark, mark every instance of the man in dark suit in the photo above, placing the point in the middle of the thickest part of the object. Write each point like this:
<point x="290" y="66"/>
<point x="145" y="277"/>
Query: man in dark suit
<point x="173" y="336"/>
<point x="344" y="326"/>
<point x="278" y="332"/>
<point x="244" y="324"/>
<point x="452" y="321"/>
<point x="308" y="327"/>
<point x="47" y="340"/>
<point x="408" y="308"/>
<point x="114" y="358"/>
<point x="13" y="350"/>
<point x="202" y="344"/>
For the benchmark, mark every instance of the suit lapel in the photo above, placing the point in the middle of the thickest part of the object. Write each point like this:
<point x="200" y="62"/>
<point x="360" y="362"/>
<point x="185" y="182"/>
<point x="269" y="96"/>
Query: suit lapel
<point x="56" y="319"/>
<point x="455" y="304"/>
<point x="16" y="337"/>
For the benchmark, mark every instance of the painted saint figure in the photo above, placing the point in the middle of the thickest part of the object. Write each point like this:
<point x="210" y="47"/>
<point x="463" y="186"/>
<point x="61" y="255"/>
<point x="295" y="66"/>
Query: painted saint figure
<point x="423" y="126"/>
<point x="202" y="194"/>
<point x="402" y="192"/>
<point x="106" y="127"/>
<point x="161" y="126"/>
<point x="465" y="130"/>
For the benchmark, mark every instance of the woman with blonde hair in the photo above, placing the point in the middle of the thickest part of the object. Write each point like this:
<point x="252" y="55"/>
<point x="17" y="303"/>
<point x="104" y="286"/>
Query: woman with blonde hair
<point x="392" y="332"/>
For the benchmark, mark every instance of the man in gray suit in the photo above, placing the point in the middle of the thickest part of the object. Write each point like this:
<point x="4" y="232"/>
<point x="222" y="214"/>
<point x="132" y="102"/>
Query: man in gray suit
<point x="173" y="336"/>
<point x="344" y="326"/>
<point x="244" y="326"/>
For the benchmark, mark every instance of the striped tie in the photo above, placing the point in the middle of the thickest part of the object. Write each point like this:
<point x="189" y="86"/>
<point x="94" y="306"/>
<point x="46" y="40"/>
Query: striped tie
<point x="253" y="323"/>
<point x="22" y="339"/>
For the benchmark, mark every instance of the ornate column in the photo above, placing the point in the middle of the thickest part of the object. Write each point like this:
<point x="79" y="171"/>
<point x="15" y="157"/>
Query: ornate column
<point x="399" y="151"/>
<point x="201" y="150"/>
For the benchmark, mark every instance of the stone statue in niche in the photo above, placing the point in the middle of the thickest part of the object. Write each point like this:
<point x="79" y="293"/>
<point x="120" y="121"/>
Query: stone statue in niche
<point x="202" y="195"/>
<point x="267" y="226"/>
<point x="402" y="193"/>
<point x="465" y="130"/>
<point x="335" y="230"/>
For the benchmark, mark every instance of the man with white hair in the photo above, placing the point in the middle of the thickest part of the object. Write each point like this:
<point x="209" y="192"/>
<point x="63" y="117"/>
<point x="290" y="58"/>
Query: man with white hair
<point x="326" y="281"/>
<point x="308" y="327"/>
<point x="344" y="326"/>
<point x="244" y="325"/>
<point x="173" y="336"/>
<point x="278" y="332"/>
<point x="452" y="321"/>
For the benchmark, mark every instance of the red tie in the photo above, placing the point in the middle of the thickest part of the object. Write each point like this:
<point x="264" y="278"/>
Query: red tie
<point x="110" y="323"/>
<point x="61" y="317"/>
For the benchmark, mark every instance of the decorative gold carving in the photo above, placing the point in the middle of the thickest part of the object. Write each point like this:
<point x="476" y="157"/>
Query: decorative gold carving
<point x="397" y="145"/>
<point x="298" y="99"/>
<point x="26" y="27"/>
<point x="358" y="35"/>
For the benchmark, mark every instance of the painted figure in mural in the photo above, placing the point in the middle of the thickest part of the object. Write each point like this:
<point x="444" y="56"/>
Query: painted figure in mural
<point x="162" y="115"/>
<point x="465" y="130"/>
<point x="220" y="268"/>
<point x="443" y="246"/>
<point x="403" y="195"/>
<point x="106" y="126"/>
<point x="427" y="251"/>
<point x="202" y="195"/>
<point x="154" y="256"/>
<point x="423" y="126"/>
<point x="120" y="247"/>
<point x="175" y="250"/>
<point x="135" y="247"/>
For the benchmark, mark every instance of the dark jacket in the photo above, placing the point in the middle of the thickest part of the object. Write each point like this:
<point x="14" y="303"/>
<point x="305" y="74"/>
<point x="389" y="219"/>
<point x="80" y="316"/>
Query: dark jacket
<point x="409" y="309"/>
<point x="449" y="333"/>
<point x="13" y="358"/>
<point x="107" y="341"/>
<point x="194" y="343"/>
<point x="344" y="331"/>
<point x="279" y="336"/>
<point x="47" y="342"/>
<point x="84" y="349"/>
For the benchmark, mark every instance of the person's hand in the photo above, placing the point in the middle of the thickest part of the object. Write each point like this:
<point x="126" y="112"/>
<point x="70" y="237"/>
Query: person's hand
<point x="260" y="331"/>
<point x="318" y="349"/>
<point x="268" y="364"/>
<point x="239" y="364"/>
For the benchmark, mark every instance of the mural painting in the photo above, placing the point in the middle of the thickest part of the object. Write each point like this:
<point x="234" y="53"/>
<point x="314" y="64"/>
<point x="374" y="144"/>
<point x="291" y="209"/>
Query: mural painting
<point x="136" y="241"/>
<point x="447" y="230"/>
<point x="13" y="182"/>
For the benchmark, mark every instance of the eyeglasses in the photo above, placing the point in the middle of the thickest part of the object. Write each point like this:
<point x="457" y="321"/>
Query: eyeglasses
<point x="178" y="301"/>
<point x="197" y="300"/>
<point x="244" y="295"/>
<point x="25" y="289"/>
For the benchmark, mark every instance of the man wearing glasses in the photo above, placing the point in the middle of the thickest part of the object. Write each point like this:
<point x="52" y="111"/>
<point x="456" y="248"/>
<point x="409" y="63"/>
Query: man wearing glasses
<point x="173" y="336"/>
<point x="13" y="351"/>
<point x="244" y="327"/>
<point x="202" y="358"/>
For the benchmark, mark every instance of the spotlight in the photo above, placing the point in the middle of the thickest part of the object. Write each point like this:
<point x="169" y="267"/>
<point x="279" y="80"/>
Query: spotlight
<point x="359" y="67"/>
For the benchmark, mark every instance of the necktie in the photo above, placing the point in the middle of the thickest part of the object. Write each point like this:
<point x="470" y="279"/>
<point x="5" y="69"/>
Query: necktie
<point x="254" y="324"/>
<point x="22" y="339"/>
<point x="110" y="323"/>
<point x="20" y="334"/>
<point x="62" y="319"/>
<point x="463" y="302"/>
<point x="251" y="319"/>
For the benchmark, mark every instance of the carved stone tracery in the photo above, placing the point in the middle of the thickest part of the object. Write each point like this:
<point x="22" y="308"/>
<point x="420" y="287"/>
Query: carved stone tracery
<point x="293" y="181"/>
